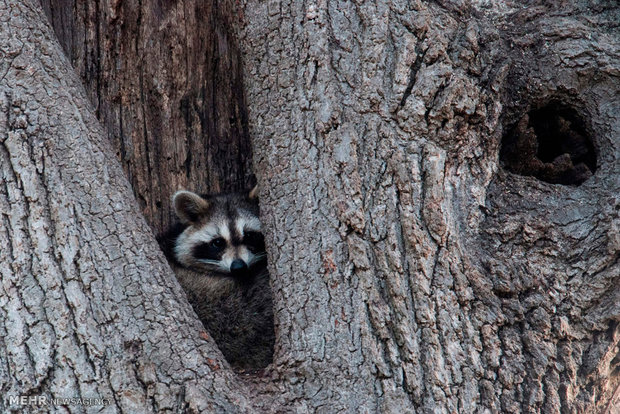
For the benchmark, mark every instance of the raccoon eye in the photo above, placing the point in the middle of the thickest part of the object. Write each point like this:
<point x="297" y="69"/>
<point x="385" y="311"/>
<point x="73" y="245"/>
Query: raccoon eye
<point x="211" y="250"/>
<point x="218" y="243"/>
<point x="254" y="240"/>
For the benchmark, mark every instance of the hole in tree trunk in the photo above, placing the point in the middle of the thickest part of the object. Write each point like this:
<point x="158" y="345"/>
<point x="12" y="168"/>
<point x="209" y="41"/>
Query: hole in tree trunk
<point x="552" y="144"/>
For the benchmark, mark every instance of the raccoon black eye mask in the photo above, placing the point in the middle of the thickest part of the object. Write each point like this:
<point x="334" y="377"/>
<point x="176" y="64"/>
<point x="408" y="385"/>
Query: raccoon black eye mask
<point x="255" y="241"/>
<point x="210" y="250"/>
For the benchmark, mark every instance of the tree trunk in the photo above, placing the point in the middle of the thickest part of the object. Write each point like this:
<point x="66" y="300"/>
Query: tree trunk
<point x="165" y="80"/>
<point x="411" y="271"/>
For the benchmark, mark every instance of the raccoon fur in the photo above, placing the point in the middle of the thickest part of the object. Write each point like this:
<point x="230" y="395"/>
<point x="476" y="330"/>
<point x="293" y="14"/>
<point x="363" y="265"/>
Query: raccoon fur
<point x="217" y="252"/>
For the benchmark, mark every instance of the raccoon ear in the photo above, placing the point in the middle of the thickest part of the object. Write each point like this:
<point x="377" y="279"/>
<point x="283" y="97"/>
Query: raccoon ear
<point x="188" y="206"/>
<point x="253" y="195"/>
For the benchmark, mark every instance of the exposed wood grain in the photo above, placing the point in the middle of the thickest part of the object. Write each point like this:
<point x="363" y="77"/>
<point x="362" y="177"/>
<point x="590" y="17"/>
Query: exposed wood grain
<point x="165" y="80"/>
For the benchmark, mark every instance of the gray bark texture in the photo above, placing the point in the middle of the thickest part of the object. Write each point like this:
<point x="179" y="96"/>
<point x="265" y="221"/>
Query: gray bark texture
<point x="165" y="80"/>
<point x="411" y="272"/>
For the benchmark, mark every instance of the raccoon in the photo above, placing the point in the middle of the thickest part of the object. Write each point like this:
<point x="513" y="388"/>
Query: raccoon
<point x="217" y="251"/>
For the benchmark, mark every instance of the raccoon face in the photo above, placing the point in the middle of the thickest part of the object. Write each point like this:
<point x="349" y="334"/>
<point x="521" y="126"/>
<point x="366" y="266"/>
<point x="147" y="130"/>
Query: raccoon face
<point x="223" y="233"/>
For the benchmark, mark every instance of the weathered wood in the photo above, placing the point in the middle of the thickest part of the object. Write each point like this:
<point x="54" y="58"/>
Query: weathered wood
<point x="165" y="80"/>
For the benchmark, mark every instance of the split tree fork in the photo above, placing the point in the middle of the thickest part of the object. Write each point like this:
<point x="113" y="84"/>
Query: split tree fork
<point x="411" y="271"/>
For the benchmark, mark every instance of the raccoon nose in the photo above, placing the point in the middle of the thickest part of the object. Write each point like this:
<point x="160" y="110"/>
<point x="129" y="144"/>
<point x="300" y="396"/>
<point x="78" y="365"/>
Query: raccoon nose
<point x="238" y="268"/>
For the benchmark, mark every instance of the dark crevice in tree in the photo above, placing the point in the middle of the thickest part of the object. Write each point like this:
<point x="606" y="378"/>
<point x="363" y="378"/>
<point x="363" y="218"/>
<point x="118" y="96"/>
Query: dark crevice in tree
<point x="415" y="68"/>
<point x="552" y="144"/>
<point x="168" y="91"/>
<point x="560" y="130"/>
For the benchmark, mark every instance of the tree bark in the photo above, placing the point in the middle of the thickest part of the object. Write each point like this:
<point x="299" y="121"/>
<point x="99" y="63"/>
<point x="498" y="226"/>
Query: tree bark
<point x="165" y="80"/>
<point x="411" y="272"/>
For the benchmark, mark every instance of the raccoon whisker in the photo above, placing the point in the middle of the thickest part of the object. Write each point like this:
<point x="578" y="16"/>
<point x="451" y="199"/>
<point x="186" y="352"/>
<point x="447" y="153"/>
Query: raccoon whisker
<point x="210" y="262"/>
<point x="224" y="268"/>
<point x="257" y="258"/>
<point x="215" y="264"/>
